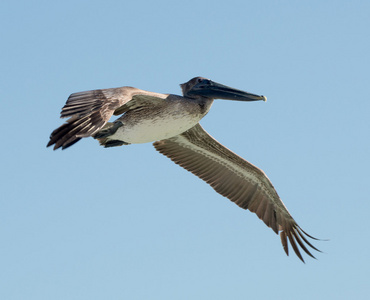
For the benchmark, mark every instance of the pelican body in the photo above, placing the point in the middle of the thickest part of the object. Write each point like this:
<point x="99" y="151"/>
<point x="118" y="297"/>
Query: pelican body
<point x="162" y="117"/>
<point x="172" y="123"/>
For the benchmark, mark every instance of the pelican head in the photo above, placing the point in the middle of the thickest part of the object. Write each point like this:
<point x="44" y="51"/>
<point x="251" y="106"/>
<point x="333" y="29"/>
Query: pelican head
<point x="199" y="86"/>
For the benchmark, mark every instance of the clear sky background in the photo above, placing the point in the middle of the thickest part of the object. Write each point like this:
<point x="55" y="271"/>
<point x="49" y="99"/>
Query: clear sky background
<point x="127" y="223"/>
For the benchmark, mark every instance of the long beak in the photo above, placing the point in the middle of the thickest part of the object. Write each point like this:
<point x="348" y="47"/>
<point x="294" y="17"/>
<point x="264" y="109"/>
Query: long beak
<point x="214" y="90"/>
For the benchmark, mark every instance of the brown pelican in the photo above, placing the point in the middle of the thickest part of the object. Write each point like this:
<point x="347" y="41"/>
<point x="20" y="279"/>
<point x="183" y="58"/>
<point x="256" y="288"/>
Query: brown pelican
<point x="172" y="123"/>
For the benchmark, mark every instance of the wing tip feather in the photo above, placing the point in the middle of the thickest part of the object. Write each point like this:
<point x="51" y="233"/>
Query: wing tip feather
<point x="295" y="235"/>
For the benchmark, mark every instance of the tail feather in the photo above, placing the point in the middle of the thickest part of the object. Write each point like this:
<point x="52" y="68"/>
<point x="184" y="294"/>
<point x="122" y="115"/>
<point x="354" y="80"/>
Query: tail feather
<point x="108" y="143"/>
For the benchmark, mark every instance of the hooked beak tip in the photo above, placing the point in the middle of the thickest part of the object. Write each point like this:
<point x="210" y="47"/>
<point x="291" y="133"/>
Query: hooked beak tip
<point x="264" y="98"/>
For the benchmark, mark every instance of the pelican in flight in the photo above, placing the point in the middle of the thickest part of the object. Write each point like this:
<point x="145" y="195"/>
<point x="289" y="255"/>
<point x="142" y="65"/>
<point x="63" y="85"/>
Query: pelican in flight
<point x="172" y="123"/>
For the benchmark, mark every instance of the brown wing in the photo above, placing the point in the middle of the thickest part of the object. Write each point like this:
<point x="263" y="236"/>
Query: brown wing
<point x="89" y="111"/>
<point x="235" y="178"/>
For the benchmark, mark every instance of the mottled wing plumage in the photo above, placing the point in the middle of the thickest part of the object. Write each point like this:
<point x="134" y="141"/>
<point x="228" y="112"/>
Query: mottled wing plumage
<point x="235" y="178"/>
<point x="89" y="111"/>
<point x="141" y="100"/>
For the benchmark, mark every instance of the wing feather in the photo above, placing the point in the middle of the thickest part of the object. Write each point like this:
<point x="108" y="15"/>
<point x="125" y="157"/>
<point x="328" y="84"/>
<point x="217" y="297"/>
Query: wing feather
<point x="235" y="178"/>
<point x="89" y="111"/>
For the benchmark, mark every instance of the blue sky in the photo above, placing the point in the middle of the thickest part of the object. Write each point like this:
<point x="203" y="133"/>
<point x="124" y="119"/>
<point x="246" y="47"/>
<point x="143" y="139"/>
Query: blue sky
<point x="127" y="223"/>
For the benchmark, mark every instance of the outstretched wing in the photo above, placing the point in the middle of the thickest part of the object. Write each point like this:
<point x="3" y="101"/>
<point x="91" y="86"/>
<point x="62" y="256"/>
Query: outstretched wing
<point x="235" y="178"/>
<point x="89" y="111"/>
